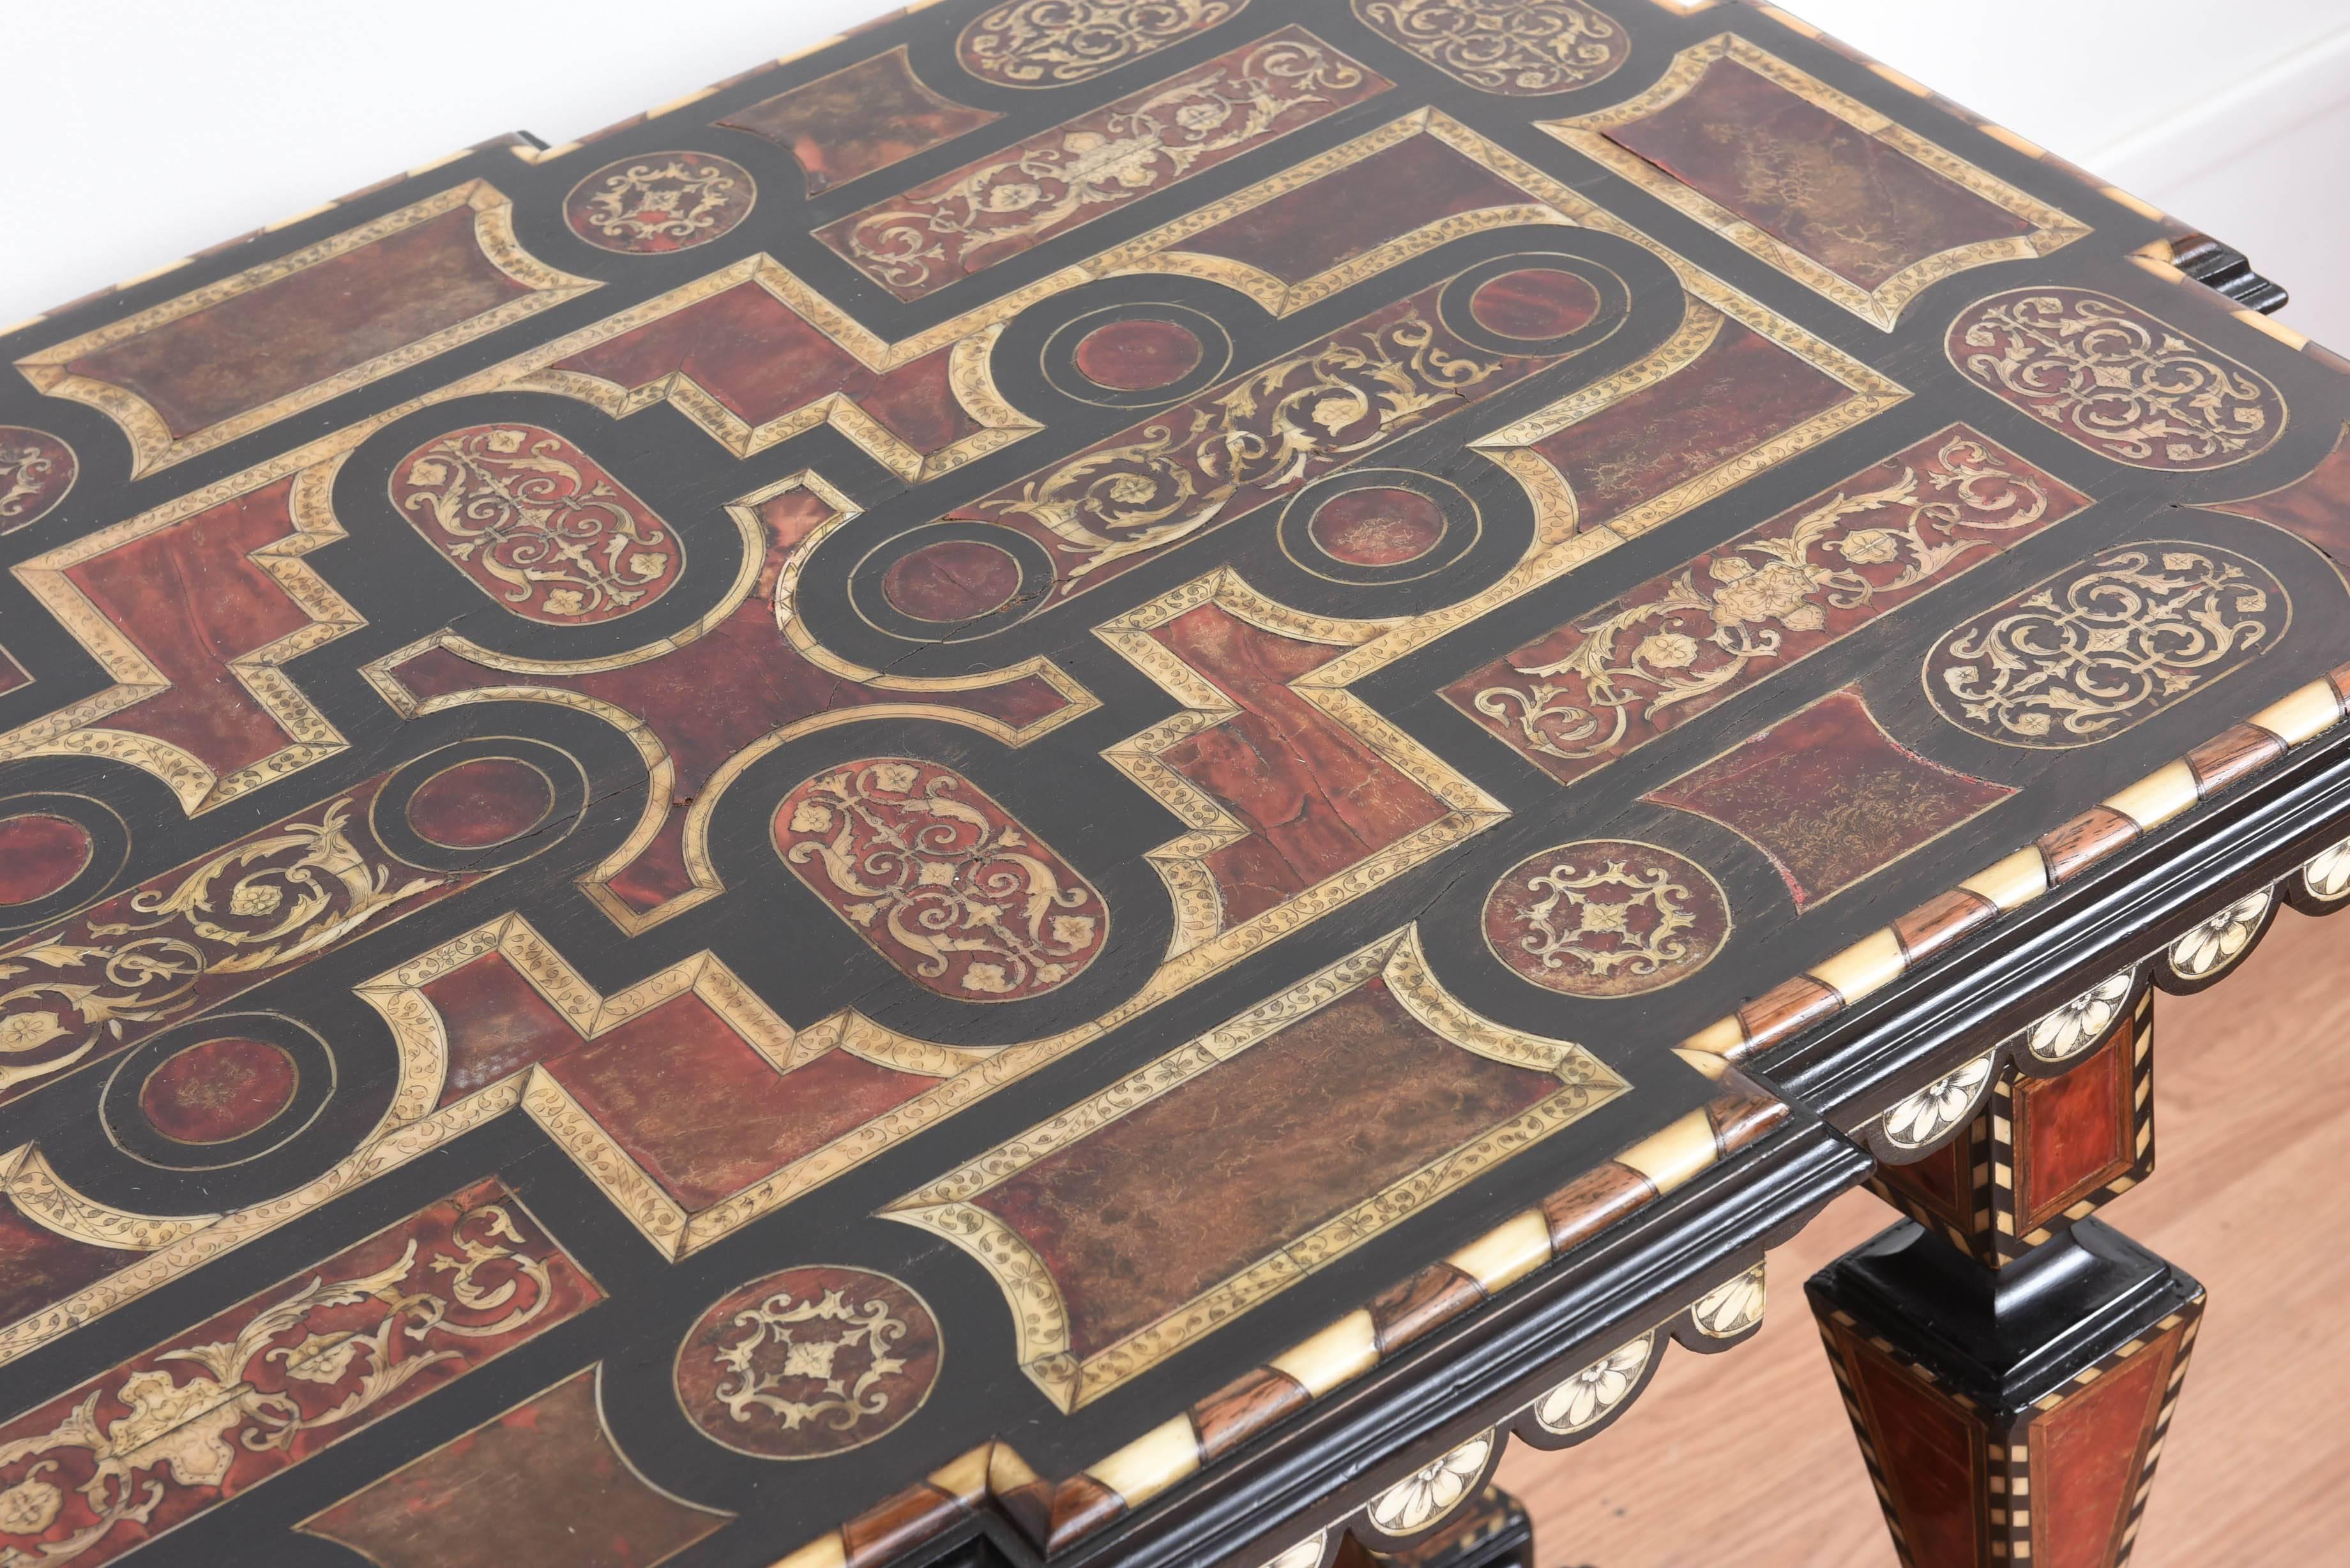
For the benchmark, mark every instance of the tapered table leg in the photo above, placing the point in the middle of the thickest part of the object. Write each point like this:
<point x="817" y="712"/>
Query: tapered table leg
<point x="2010" y="1363"/>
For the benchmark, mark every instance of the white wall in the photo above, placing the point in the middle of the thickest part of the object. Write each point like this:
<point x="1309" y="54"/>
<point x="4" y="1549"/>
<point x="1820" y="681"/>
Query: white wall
<point x="138" y="131"/>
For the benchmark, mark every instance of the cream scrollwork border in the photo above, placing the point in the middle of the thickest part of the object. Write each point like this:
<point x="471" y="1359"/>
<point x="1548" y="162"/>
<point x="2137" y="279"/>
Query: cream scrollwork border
<point x="29" y="1182"/>
<point x="1881" y="306"/>
<point x="153" y="445"/>
<point x="1041" y="1323"/>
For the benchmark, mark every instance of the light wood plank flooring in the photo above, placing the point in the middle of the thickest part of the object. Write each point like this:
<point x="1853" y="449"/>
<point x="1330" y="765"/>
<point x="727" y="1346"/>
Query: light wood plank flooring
<point x="1747" y="1457"/>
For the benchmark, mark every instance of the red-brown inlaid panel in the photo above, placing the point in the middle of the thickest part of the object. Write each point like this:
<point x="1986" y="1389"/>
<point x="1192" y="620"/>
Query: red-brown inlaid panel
<point x="983" y="213"/>
<point x="2088" y="1454"/>
<point x="220" y="1409"/>
<point x="218" y="1089"/>
<point x="952" y="580"/>
<point x="1612" y="679"/>
<point x="1929" y="1454"/>
<point x="480" y="804"/>
<point x="537" y="525"/>
<point x="808" y="1361"/>
<point x="2074" y="1133"/>
<point x="1378" y="525"/>
<point x="1138" y="356"/>
<point x="860" y="119"/>
<point x="958" y="894"/>
<point x="1829" y="796"/>
<point x="458" y="1507"/>
<point x="39" y="854"/>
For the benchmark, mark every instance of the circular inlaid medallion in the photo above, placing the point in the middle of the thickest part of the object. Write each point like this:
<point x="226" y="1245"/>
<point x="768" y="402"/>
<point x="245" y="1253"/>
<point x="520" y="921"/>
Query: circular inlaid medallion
<point x="1534" y="303"/>
<point x="659" y="202"/>
<point x="1138" y="356"/>
<point x="808" y="1361"/>
<point x="1606" y="916"/>
<point x="478" y="804"/>
<point x="1377" y="526"/>
<point x="39" y="854"/>
<point x="952" y="580"/>
<point x="36" y="469"/>
<point x="217" y="1090"/>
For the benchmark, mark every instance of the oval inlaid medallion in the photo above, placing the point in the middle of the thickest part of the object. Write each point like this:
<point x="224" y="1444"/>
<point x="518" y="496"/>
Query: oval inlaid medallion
<point x="1380" y="526"/>
<point x="952" y="580"/>
<point x="808" y="1361"/>
<point x="1049" y="43"/>
<point x="478" y="804"/>
<point x="2105" y="644"/>
<point x="1534" y="303"/>
<point x="1605" y="918"/>
<point x="536" y="524"/>
<point x="2108" y="377"/>
<point x="39" y="854"/>
<point x="217" y="1090"/>
<point x="659" y="202"/>
<point x="36" y="469"/>
<point x="940" y="880"/>
<point x="1138" y="356"/>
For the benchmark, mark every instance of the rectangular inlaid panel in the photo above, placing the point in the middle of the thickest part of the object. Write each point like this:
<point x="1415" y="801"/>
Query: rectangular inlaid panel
<point x="252" y="1392"/>
<point x="213" y="365"/>
<point x="1929" y="1454"/>
<point x="2088" y="1454"/>
<point x="2074" y="1133"/>
<point x="988" y="212"/>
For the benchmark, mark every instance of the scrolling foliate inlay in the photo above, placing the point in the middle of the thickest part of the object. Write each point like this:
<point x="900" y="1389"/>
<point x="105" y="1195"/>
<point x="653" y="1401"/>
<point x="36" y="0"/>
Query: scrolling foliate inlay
<point x="2106" y="644"/>
<point x="536" y="524"/>
<point x="1521" y="47"/>
<point x="2115" y="380"/>
<point x="1051" y="43"/>
<point x="36" y="469"/>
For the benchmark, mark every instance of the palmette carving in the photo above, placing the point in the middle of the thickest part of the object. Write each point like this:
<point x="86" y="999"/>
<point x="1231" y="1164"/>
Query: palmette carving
<point x="2216" y="944"/>
<point x="1934" y="1110"/>
<point x="1433" y="1491"/>
<point x="1515" y="47"/>
<point x="1049" y="43"/>
<point x="1588" y="1397"/>
<point x="1732" y="1307"/>
<point x="1282" y="426"/>
<point x="538" y="524"/>
<point x="941" y="879"/>
<point x="1647" y="658"/>
<point x="2105" y="645"/>
<point x="2081" y="1023"/>
<point x="2115" y="380"/>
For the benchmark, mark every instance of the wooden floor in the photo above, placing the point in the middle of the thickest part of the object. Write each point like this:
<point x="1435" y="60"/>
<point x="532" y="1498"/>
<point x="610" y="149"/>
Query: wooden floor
<point x="1747" y="1456"/>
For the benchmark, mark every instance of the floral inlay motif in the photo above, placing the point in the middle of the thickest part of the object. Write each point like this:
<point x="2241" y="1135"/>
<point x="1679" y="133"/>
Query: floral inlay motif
<point x="2327" y="873"/>
<point x="1432" y="1491"/>
<point x="1605" y="918"/>
<point x="1591" y="1394"/>
<point x="2115" y="379"/>
<point x="537" y="525"/>
<point x="1926" y="1115"/>
<point x="1598" y="687"/>
<point x="1731" y="1307"/>
<point x="808" y="1361"/>
<point x="2220" y="941"/>
<point x="1523" y="48"/>
<point x="1267" y="434"/>
<point x="987" y="211"/>
<point x="942" y="880"/>
<point x="1306" y="1554"/>
<point x="1048" y="43"/>
<point x="2082" y="1021"/>
<point x="190" y="938"/>
<point x="204" y="1417"/>
<point x="2105" y="644"/>
<point x="36" y="469"/>
<point x="661" y="201"/>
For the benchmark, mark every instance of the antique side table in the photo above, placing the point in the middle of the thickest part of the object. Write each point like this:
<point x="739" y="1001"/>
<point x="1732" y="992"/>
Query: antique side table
<point x="1089" y="783"/>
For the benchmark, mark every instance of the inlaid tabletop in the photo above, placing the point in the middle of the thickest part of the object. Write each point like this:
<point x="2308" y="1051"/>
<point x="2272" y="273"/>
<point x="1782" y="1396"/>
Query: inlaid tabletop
<point x="938" y="791"/>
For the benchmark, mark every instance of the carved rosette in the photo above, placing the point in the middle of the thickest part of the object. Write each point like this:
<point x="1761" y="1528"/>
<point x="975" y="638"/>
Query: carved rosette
<point x="2081" y="1023"/>
<point x="659" y="202"/>
<point x="1050" y="43"/>
<point x="2106" y="644"/>
<point x="2214" y="946"/>
<point x="1594" y="1394"/>
<point x="940" y="880"/>
<point x="2112" y="378"/>
<point x="1930" y="1113"/>
<point x="537" y="525"/>
<point x="36" y="469"/>
<point x="1519" y="48"/>
<point x="1432" y="1491"/>
<point x="808" y="1361"/>
<point x="1606" y="918"/>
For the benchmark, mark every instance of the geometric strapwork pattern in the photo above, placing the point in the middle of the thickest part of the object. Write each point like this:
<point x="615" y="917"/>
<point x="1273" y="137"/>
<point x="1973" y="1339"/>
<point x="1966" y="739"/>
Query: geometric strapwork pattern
<point x="944" y="746"/>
